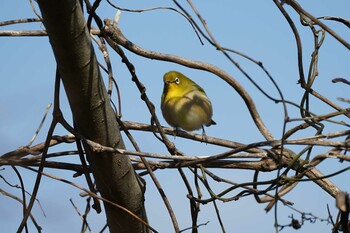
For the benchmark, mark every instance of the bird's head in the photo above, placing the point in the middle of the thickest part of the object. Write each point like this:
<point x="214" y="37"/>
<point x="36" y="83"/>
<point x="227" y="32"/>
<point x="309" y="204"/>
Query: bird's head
<point x="175" y="79"/>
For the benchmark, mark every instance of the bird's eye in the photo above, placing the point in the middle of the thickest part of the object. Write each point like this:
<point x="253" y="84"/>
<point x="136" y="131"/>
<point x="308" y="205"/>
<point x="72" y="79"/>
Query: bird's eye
<point x="177" y="80"/>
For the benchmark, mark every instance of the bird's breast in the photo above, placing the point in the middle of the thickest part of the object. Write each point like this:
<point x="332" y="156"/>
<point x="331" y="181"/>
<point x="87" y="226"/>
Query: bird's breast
<point x="189" y="112"/>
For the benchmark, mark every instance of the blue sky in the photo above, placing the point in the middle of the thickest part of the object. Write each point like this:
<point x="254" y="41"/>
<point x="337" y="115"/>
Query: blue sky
<point x="255" y="28"/>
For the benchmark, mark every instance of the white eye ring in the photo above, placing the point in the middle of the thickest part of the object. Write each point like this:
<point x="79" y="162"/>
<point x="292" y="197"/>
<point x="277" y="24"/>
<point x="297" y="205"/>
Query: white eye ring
<point x="177" y="80"/>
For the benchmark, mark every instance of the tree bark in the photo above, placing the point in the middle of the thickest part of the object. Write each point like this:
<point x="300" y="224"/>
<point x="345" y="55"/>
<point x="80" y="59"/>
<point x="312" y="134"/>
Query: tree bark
<point x="92" y="112"/>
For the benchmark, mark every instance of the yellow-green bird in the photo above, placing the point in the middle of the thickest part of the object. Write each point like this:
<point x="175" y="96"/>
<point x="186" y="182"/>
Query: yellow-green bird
<point x="184" y="103"/>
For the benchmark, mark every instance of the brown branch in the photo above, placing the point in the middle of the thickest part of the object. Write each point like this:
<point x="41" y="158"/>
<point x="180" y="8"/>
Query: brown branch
<point x="298" y="8"/>
<point x="33" y="32"/>
<point x="17" y="21"/>
<point x="337" y="19"/>
<point x="116" y="35"/>
<point x="297" y="41"/>
<point x="23" y="33"/>
<point x="342" y="80"/>
<point x="265" y="165"/>
<point x="37" y="149"/>
<point x="316" y="118"/>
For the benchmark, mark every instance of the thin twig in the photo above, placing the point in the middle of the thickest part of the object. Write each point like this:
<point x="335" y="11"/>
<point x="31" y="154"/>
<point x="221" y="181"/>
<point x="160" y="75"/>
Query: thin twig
<point x="17" y="21"/>
<point x="40" y="126"/>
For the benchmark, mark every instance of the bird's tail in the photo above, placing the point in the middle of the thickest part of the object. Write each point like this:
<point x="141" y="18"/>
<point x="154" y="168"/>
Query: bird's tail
<point x="211" y="123"/>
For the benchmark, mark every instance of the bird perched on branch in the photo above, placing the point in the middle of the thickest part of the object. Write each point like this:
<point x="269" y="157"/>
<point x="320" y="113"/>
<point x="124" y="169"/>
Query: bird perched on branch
<point x="184" y="103"/>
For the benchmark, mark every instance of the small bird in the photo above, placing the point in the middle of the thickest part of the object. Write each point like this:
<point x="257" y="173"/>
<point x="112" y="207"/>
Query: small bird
<point x="184" y="103"/>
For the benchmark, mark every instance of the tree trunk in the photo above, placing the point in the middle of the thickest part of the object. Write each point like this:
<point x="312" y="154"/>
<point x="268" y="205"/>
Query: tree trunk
<point x="92" y="112"/>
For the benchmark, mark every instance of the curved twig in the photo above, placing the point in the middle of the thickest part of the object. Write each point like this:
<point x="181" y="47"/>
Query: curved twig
<point x="116" y="35"/>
